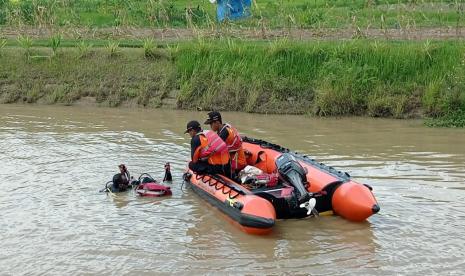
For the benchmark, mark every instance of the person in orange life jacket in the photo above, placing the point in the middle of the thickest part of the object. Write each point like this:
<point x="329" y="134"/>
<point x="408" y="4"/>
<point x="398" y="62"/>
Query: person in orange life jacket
<point x="208" y="152"/>
<point x="232" y="139"/>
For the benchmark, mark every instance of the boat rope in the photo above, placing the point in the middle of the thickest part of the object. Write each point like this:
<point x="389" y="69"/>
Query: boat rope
<point x="219" y="186"/>
<point x="182" y="185"/>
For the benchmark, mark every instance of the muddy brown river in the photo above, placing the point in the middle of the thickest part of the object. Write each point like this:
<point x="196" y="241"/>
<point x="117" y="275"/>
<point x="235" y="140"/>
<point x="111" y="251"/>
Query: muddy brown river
<point x="53" y="220"/>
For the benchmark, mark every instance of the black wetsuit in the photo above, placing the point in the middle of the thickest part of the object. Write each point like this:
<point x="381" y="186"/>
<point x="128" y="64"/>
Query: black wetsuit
<point x="168" y="176"/>
<point x="120" y="182"/>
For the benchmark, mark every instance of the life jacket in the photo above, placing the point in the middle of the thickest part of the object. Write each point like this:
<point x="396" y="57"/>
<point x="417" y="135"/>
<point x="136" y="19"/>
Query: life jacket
<point x="215" y="146"/>
<point x="234" y="140"/>
<point x="262" y="162"/>
<point x="234" y="143"/>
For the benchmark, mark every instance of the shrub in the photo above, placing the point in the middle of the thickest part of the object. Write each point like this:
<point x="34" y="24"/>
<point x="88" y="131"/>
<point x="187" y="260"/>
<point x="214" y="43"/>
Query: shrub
<point x="84" y="49"/>
<point x="26" y="43"/>
<point x="149" y="48"/>
<point x="55" y="42"/>
<point x="112" y="48"/>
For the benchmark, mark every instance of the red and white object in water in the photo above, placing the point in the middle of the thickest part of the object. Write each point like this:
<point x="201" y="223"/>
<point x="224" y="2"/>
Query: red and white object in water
<point x="153" y="189"/>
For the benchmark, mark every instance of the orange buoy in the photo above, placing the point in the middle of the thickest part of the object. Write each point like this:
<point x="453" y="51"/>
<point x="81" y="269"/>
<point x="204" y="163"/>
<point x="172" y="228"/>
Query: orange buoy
<point x="354" y="201"/>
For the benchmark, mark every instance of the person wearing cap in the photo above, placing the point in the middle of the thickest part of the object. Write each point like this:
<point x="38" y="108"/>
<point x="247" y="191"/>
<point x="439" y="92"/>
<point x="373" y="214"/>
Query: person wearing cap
<point x="231" y="137"/>
<point x="209" y="153"/>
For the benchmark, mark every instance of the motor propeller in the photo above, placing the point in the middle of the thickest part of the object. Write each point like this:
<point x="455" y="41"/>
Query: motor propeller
<point x="310" y="206"/>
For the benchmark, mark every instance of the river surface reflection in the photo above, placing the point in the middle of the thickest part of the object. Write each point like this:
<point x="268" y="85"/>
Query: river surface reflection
<point x="53" y="220"/>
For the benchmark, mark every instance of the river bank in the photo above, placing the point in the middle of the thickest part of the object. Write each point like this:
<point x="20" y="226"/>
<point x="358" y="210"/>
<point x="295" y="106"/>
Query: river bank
<point x="249" y="33"/>
<point x="396" y="79"/>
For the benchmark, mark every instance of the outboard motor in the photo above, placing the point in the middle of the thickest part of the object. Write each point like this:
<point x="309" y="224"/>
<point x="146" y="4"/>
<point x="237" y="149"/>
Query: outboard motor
<point x="291" y="171"/>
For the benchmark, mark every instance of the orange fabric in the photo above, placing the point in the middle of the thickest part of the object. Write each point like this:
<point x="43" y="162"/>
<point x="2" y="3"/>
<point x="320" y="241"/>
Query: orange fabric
<point x="238" y="159"/>
<point x="215" y="144"/>
<point x="233" y="140"/>
<point x="262" y="162"/>
<point x="350" y="200"/>
<point x="216" y="159"/>
<point x="353" y="201"/>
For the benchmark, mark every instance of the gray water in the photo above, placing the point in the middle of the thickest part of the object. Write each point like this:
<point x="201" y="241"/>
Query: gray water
<point x="54" y="221"/>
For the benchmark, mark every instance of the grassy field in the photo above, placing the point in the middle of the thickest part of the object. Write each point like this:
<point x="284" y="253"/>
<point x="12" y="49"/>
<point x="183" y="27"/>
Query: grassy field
<point x="370" y="78"/>
<point x="395" y="79"/>
<point x="111" y="76"/>
<point x="64" y="51"/>
<point x="389" y="14"/>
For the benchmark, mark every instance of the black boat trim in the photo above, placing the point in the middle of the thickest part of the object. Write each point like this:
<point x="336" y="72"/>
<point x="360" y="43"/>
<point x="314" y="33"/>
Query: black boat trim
<point x="234" y="213"/>
<point x="343" y="176"/>
<point x="324" y="202"/>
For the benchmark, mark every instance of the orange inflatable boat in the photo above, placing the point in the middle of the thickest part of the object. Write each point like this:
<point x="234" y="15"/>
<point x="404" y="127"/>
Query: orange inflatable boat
<point x="305" y="188"/>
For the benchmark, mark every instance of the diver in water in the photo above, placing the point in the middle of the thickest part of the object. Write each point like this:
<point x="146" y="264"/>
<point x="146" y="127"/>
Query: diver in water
<point x="121" y="180"/>
<point x="168" y="177"/>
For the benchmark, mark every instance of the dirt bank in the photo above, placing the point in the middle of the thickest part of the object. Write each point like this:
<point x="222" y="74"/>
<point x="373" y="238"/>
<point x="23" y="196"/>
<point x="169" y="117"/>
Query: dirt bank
<point x="171" y="34"/>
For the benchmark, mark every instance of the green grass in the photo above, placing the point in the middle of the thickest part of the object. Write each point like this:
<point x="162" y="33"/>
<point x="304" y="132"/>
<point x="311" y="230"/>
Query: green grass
<point x="71" y="43"/>
<point x="386" y="79"/>
<point x="399" y="14"/>
<point x="70" y="76"/>
<point x="454" y="119"/>
<point x="338" y="78"/>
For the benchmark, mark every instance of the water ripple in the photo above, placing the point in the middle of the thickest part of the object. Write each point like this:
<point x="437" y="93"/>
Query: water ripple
<point x="54" y="221"/>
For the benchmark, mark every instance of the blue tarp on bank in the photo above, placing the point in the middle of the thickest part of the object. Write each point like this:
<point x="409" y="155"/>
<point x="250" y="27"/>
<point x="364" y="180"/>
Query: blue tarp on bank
<point x="233" y="9"/>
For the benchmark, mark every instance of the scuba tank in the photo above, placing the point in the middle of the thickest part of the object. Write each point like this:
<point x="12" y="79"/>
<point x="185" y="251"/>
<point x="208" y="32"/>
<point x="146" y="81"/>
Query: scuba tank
<point x="292" y="172"/>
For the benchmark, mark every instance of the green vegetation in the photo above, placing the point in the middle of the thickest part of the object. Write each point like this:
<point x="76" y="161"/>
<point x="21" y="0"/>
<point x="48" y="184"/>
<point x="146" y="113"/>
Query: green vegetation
<point x="358" y="77"/>
<point x="2" y="45"/>
<point x="71" y="43"/>
<point x="125" y="78"/>
<point x="26" y="43"/>
<point x="55" y="42"/>
<point x="388" y="79"/>
<point x="149" y="48"/>
<point x="84" y="49"/>
<point x="112" y="48"/>
<point x="454" y="119"/>
<point x="396" y="14"/>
